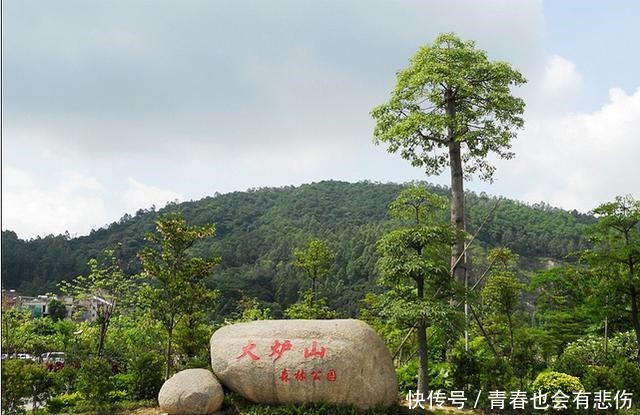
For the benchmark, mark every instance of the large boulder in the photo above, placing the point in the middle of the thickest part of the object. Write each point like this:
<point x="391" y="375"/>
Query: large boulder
<point x="303" y="361"/>
<point x="191" y="392"/>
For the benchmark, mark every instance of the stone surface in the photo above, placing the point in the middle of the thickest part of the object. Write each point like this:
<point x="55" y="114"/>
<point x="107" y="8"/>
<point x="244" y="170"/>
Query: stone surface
<point x="191" y="392"/>
<point x="301" y="361"/>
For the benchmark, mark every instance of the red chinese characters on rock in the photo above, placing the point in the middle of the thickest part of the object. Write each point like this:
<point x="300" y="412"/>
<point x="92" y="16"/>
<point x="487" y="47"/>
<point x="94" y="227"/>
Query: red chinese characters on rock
<point x="316" y="375"/>
<point x="284" y="375"/>
<point x="247" y="351"/>
<point x="314" y="352"/>
<point x="278" y="349"/>
<point x="331" y="375"/>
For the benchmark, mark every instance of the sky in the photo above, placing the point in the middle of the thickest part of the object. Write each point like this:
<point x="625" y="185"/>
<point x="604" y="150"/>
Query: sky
<point x="113" y="106"/>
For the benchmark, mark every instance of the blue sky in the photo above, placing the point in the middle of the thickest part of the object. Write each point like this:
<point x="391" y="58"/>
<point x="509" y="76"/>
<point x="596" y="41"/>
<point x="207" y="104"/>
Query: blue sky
<point x="113" y="106"/>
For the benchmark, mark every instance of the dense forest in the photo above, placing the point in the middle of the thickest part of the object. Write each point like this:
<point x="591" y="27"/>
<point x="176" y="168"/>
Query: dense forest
<point x="257" y="230"/>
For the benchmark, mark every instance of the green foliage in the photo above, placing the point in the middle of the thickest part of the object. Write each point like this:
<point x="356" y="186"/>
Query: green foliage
<point x="107" y="288"/>
<point x="466" y="367"/>
<point x="315" y="259"/>
<point x="590" y="351"/>
<point x="236" y="405"/>
<point x="615" y="258"/>
<point x="451" y="92"/>
<point x="177" y="291"/>
<point x="309" y="308"/>
<point x="501" y="294"/>
<point x="407" y="375"/>
<point x="65" y="402"/>
<point x="563" y="305"/>
<point x="551" y="382"/>
<point x="441" y="376"/>
<point x="14" y="321"/>
<point x="57" y="310"/>
<point x="15" y="389"/>
<point x="22" y="381"/>
<point x="249" y="310"/>
<point x="95" y="383"/>
<point x="39" y="383"/>
<point x="257" y="231"/>
<point x="414" y="269"/>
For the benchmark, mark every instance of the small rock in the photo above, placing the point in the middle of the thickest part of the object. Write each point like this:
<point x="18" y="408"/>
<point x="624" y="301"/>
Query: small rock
<point x="191" y="392"/>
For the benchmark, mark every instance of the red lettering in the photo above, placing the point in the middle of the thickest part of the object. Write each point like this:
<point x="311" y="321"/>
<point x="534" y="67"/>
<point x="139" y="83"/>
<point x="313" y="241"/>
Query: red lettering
<point x="299" y="375"/>
<point x="314" y="351"/>
<point x="316" y="374"/>
<point x="331" y="375"/>
<point x="278" y="349"/>
<point x="246" y="351"/>
<point x="284" y="376"/>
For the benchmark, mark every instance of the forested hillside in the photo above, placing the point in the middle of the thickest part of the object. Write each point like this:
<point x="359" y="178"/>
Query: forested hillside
<point x="257" y="231"/>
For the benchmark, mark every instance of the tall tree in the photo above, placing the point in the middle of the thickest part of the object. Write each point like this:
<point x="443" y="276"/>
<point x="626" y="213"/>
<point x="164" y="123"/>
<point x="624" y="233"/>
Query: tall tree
<point x="314" y="260"/>
<point x="102" y="292"/>
<point x="413" y="262"/>
<point x="176" y="278"/>
<point x="452" y="107"/>
<point x="616" y="254"/>
<point x="502" y="291"/>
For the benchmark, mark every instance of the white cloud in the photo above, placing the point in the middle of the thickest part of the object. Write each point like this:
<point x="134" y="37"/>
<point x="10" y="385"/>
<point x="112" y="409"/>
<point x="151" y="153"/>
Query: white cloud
<point x="579" y="160"/>
<point x="74" y="203"/>
<point x="556" y="88"/>
<point x="139" y="196"/>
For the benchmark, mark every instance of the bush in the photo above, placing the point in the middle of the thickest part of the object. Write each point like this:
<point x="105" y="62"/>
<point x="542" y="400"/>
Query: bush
<point x="21" y="381"/>
<point x="39" y="383"/>
<point x="65" y="402"/>
<point x="14" y="386"/>
<point x="441" y="376"/>
<point x="627" y="377"/>
<point x="95" y="383"/>
<point x="64" y="380"/>
<point x="407" y="375"/>
<point x="146" y="376"/>
<point x="236" y="405"/>
<point x="589" y="351"/>
<point x="307" y="309"/>
<point x="552" y="382"/>
<point x="599" y="378"/>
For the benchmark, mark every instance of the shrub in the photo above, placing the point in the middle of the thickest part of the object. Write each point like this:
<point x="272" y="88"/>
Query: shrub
<point x="39" y="383"/>
<point x="441" y="376"/>
<point x="236" y="405"/>
<point x="95" y="383"/>
<point x="599" y="378"/>
<point x="65" y="402"/>
<point x="407" y="375"/>
<point x="14" y="386"/>
<point x="627" y="377"/>
<point x="147" y="376"/>
<point x="64" y="380"/>
<point x="552" y="382"/>
<point x="466" y="369"/>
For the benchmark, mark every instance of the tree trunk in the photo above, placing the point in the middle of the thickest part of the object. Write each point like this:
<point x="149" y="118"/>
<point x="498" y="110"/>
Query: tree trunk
<point x="423" y="374"/>
<point x="510" y="336"/>
<point x="634" y="319"/>
<point x="169" y="351"/>
<point x="634" y="299"/>
<point x="458" y="262"/>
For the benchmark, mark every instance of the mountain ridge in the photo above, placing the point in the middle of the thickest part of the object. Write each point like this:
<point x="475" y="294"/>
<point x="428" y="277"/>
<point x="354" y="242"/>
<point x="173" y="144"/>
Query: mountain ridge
<point x="257" y="230"/>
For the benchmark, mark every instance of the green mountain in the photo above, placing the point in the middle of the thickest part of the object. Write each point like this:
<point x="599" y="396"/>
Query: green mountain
<point x="258" y="229"/>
